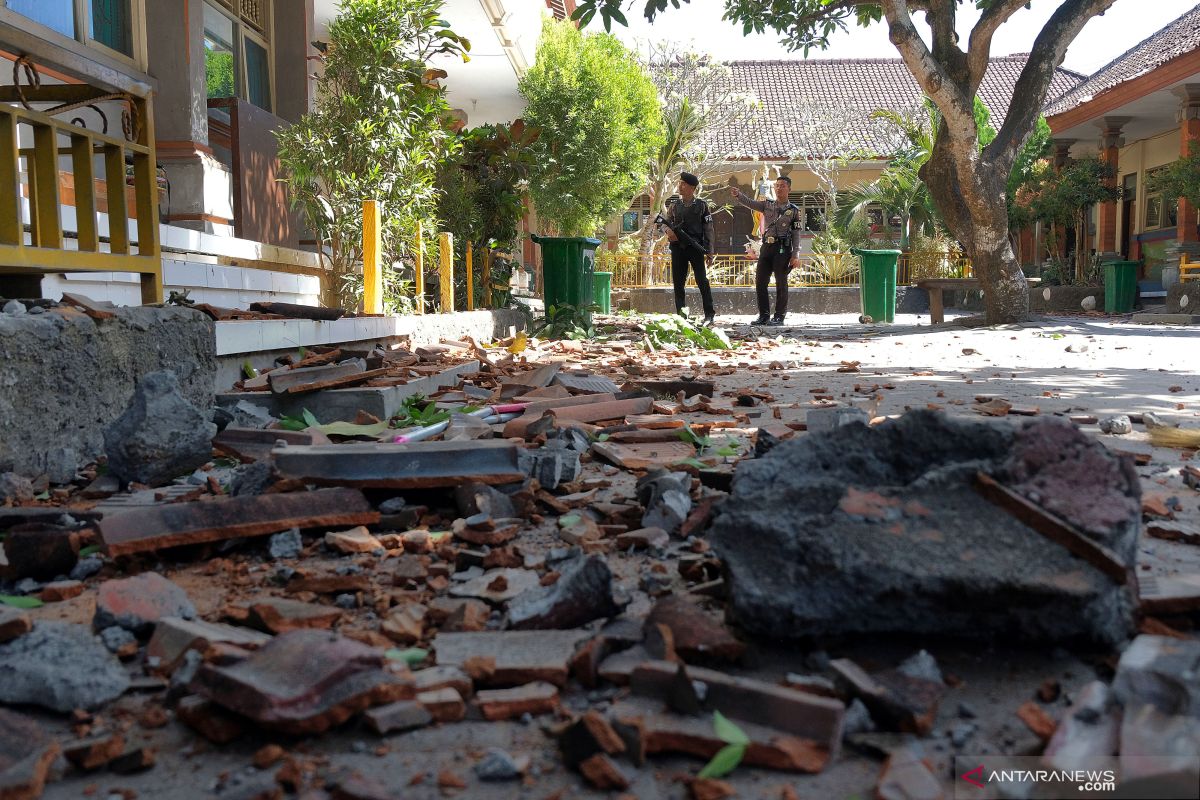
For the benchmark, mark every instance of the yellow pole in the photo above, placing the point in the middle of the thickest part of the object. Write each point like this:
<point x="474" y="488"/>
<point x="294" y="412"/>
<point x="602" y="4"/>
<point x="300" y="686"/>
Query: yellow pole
<point x="419" y="282"/>
<point x="372" y="259"/>
<point x="471" y="280"/>
<point x="446" y="269"/>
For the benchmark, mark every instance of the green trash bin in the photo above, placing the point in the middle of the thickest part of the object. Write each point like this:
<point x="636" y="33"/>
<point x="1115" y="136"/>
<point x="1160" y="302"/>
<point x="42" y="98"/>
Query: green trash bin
<point x="568" y="264"/>
<point x="877" y="283"/>
<point x="602" y="289"/>
<point x="1120" y="286"/>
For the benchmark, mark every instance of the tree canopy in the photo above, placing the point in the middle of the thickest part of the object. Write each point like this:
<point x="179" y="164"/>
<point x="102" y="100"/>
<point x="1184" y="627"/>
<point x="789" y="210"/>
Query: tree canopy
<point x="600" y="122"/>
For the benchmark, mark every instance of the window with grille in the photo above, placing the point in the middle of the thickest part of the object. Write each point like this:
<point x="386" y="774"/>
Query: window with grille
<point x="107" y="23"/>
<point x="237" y="56"/>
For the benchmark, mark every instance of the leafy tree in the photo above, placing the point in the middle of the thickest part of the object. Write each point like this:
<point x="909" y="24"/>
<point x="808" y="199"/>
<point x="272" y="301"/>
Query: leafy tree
<point x="1180" y="178"/>
<point x="218" y="73"/>
<point x="483" y="189"/>
<point x="600" y="124"/>
<point x="966" y="183"/>
<point x="1062" y="198"/>
<point x="899" y="191"/>
<point x="693" y="89"/>
<point x="379" y="130"/>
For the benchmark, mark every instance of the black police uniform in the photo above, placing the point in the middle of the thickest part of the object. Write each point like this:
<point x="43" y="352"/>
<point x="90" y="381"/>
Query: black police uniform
<point x="696" y="219"/>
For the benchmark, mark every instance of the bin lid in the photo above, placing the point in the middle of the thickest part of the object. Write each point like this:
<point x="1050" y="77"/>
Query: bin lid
<point x="566" y="239"/>
<point x="861" y="251"/>
<point x="1123" y="263"/>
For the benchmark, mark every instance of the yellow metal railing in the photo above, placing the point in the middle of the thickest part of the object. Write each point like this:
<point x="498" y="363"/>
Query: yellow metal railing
<point x="816" y="269"/>
<point x="1188" y="270"/>
<point x="56" y="141"/>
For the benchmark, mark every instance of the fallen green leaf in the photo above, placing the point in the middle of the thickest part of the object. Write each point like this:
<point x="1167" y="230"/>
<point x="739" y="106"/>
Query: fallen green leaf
<point x="373" y="431"/>
<point x="20" y="602"/>
<point x="411" y="656"/>
<point x="310" y="419"/>
<point x="90" y="550"/>
<point x="568" y="520"/>
<point x="728" y="732"/>
<point x="724" y="762"/>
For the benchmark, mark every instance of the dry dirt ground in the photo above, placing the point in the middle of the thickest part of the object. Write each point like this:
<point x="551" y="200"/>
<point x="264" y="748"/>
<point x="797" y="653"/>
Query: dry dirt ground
<point x="1071" y="366"/>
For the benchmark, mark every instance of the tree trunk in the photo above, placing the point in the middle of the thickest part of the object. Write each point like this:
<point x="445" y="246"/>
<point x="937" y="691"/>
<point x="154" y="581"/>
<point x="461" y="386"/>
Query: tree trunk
<point x="971" y="196"/>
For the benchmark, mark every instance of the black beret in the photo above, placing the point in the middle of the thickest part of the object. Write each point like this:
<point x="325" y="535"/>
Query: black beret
<point x="689" y="179"/>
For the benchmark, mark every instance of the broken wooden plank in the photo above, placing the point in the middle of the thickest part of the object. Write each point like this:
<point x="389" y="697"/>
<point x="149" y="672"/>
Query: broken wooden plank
<point x="1052" y="526"/>
<point x="586" y="384"/>
<point x="93" y="308"/>
<point x="644" y="455"/>
<point x="156" y="527"/>
<point x="669" y="389"/>
<point x="311" y="379"/>
<point x="610" y="409"/>
<point x="296" y="311"/>
<point x="256" y="444"/>
<point x="401" y="466"/>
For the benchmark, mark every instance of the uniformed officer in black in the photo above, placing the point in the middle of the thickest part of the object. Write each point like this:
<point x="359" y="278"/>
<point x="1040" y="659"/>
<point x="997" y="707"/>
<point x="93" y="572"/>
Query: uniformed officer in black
<point x="692" y="215"/>
<point x="780" y="250"/>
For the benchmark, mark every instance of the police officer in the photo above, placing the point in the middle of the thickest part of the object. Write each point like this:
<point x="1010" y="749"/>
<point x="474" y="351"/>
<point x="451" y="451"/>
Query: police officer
<point x="780" y="248"/>
<point x="693" y="216"/>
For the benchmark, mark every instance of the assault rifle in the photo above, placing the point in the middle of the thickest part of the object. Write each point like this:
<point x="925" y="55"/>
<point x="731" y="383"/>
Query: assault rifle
<point x="683" y="235"/>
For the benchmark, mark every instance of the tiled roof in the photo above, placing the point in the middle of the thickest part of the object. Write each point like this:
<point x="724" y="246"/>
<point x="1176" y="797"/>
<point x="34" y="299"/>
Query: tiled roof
<point x="1177" y="39"/>
<point x="861" y="86"/>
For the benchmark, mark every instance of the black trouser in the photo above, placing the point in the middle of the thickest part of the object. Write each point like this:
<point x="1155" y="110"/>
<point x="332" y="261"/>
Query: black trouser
<point x="680" y="258"/>
<point x="773" y="259"/>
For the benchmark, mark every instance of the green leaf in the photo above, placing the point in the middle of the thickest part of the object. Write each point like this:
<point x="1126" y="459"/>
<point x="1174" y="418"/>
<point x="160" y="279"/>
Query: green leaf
<point x="309" y="419"/>
<point x="567" y="520"/>
<point x="410" y="656"/>
<point x="694" y="462"/>
<point x="90" y="550"/>
<point x="42" y="495"/>
<point x="373" y="431"/>
<point x="248" y="371"/>
<point x="728" y="732"/>
<point x="724" y="762"/>
<point x="20" y="602"/>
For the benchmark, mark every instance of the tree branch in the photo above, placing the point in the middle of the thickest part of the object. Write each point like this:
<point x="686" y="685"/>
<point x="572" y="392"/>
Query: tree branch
<point x="1029" y="93"/>
<point x="979" y="46"/>
<point x="932" y="76"/>
<point x="940" y="17"/>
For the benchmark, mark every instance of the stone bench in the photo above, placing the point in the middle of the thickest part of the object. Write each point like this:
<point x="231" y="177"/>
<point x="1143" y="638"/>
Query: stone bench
<point x="935" y="287"/>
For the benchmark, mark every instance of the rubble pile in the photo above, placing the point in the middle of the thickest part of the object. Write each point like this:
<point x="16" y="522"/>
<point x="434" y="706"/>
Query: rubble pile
<point x="598" y="555"/>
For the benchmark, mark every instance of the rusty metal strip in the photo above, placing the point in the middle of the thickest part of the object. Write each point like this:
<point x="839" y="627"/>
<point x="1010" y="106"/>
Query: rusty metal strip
<point x="1052" y="526"/>
<point x="157" y="527"/>
<point x="401" y="466"/>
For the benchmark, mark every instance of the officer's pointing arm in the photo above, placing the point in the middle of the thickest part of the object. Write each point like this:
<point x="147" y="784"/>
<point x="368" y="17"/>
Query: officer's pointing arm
<point x="757" y="205"/>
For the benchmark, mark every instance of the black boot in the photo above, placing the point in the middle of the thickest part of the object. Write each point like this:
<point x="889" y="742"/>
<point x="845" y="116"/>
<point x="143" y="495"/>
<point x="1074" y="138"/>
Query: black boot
<point x="763" y="319"/>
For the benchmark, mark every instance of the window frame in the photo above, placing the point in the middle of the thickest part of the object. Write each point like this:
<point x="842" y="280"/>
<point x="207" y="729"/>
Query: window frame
<point x="244" y="30"/>
<point x="83" y="36"/>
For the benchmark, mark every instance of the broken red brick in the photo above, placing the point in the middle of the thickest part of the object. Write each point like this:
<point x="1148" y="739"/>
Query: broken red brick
<point x="441" y="677"/>
<point x="1037" y="720"/>
<point x="586" y="736"/>
<point x="13" y="623"/>
<point x="174" y="636"/>
<point x="279" y="615"/>
<point x="603" y="773"/>
<point x="95" y="751"/>
<point x="58" y="591"/>
<point x="520" y="656"/>
<point x="448" y="780"/>
<point x="444" y="705"/>
<point x="695" y="635"/>
<point x="209" y="720"/>
<point x="26" y="754"/>
<point x="896" y="701"/>
<point x="154" y="717"/>
<point x="355" y="540"/>
<point x="405" y="625"/>
<point x="799" y="713"/>
<point x="157" y="527"/>
<point x="139" y="760"/>
<point x="532" y="698"/>
<point x="403" y="715"/>
<point x="268" y="756"/>
<point x="303" y="681"/>
<point x="711" y="788"/>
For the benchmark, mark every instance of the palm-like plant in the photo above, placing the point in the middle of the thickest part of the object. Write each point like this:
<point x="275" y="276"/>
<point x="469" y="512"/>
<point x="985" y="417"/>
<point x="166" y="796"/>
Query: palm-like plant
<point x="899" y="191"/>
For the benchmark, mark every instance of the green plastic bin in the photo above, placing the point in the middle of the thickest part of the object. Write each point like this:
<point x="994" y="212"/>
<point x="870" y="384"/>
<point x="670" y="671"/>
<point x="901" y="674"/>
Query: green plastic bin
<point x="602" y="291"/>
<point x="568" y="265"/>
<point x="877" y="283"/>
<point x="1120" y="286"/>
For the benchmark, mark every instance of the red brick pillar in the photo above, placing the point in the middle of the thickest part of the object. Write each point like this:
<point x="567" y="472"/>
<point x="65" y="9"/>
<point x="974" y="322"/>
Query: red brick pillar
<point x="1189" y="135"/>
<point x="1110" y="151"/>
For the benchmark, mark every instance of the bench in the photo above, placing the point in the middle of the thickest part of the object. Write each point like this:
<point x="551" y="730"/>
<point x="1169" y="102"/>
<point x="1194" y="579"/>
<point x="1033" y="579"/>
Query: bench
<point x="935" y="287"/>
